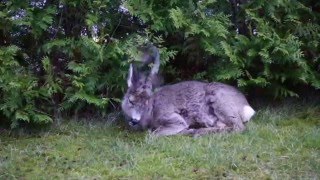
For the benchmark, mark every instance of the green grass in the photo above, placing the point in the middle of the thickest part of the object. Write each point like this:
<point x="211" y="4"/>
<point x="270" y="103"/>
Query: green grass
<point x="280" y="143"/>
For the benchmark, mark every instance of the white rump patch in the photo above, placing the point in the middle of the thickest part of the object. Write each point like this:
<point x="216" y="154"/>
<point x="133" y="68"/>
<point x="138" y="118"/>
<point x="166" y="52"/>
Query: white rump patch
<point x="248" y="112"/>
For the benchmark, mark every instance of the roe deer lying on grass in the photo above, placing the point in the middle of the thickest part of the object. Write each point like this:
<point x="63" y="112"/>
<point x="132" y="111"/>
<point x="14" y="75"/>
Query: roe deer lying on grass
<point x="189" y="107"/>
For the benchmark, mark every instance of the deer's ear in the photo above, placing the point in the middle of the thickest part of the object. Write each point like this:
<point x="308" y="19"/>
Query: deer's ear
<point x="130" y="76"/>
<point x="133" y="76"/>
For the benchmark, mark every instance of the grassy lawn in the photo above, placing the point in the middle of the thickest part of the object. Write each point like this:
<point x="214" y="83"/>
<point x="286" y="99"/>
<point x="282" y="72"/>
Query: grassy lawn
<point x="280" y="143"/>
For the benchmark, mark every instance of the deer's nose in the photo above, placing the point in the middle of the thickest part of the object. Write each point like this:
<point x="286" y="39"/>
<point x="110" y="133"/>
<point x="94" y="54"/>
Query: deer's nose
<point x="133" y="122"/>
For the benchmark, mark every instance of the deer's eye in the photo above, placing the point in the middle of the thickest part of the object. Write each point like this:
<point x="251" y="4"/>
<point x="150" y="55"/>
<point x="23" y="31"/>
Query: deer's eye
<point x="131" y="102"/>
<point x="131" y="99"/>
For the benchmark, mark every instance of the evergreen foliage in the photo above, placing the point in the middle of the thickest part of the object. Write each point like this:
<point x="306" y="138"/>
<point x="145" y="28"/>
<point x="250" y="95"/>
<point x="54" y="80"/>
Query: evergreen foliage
<point x="71" y="57"/>
<point x="267" y="44"/>
<point x="20" y="91"/>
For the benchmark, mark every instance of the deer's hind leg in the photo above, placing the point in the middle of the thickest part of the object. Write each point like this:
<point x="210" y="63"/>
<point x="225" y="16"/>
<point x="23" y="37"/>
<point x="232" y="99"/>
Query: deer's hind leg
<point x="226" y="113"/>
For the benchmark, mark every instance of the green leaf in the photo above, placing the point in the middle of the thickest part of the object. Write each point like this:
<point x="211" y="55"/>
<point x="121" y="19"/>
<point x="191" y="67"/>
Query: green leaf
<point x="20" y="115"/>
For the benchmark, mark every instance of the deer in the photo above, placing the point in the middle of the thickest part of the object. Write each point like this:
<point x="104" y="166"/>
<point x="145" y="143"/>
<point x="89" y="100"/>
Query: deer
<point x="189" y="108"/>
